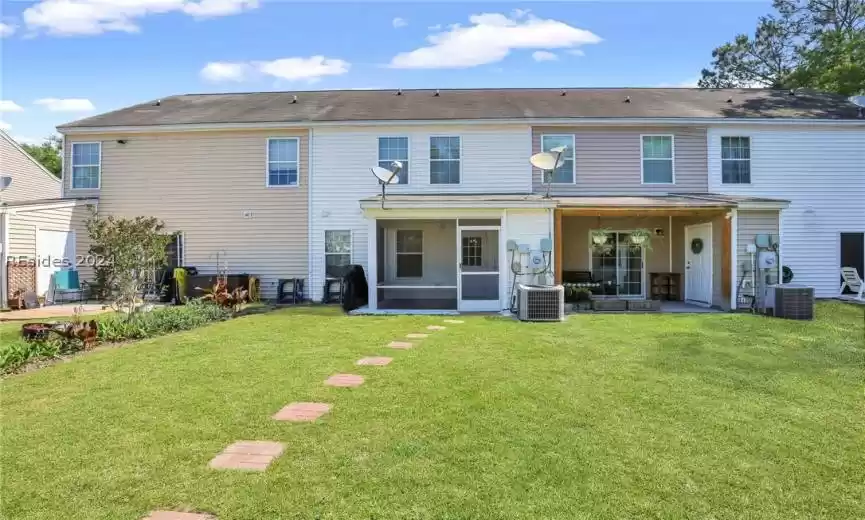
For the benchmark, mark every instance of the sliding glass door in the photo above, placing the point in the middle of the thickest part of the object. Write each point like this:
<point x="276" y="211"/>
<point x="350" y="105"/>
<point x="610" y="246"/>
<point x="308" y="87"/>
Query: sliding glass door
<point x="618" y="265"/>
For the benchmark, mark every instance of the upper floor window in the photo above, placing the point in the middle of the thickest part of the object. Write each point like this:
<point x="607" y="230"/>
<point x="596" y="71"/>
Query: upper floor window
<point x="282" y="161"/>
<point x="337" y="251"/>
<point x="657" y="159"/>
<point x="736" y="160"/>
<point x="392" y="149"/>
<point x="444" y="160"/>
<point x="86" y="165"/>
<point x="565" y="173"/>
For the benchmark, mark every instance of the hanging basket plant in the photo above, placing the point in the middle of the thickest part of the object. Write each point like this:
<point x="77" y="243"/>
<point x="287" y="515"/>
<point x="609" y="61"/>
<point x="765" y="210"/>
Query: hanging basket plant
<point x="641" y="238"/>
<point x="601" y="240"/>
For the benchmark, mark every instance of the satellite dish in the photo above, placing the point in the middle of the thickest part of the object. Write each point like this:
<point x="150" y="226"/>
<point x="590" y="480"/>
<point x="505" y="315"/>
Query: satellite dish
<point x="386" y="177"/>
<point x="859" y="101"/>
<point x="547" y="160"/>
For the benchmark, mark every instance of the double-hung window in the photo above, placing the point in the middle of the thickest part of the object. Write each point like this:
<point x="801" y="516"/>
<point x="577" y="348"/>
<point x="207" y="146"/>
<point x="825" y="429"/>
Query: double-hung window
<point x="565" y="173"/>
<point x="282" y="161"/>
<point x="736" y="160"/>
<point x="86" y="165"/>
<point x="657" y="159"/>
<point x="337" y="251"/>
<point x="392" y="149"/>
<point x="409" y="253"/>
<point x="444" y="160"/>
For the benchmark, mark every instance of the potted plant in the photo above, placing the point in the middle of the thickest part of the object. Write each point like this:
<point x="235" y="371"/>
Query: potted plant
<point x="600" y="240"/>
<point x="641" y="238"/>
<point x="582" y="299"/>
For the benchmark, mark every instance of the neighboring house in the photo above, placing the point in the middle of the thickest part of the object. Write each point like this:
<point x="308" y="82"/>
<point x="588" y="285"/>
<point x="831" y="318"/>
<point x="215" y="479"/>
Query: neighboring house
<point x="38" y="228"/>
<point x="279" y="185"/>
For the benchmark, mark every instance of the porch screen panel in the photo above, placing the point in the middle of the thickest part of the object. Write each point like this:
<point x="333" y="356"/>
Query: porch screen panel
<point x="480" y="287"/>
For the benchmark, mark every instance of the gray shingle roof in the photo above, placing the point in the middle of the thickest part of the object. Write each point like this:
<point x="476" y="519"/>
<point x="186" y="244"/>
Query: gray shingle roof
<point x="492" y="104"/>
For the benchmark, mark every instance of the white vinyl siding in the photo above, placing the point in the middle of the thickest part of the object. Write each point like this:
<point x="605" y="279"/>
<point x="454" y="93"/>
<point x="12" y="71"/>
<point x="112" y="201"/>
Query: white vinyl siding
<point x="282" y="161"/>
<point x="821" y="171"/>
<point x="392" y="149"/>
<point x="29" y="180"/>
<point x="444" y="161"/>
<point x="658" y="159"/>
<point x="86" y="165"/>
<point x="566" y="173"/>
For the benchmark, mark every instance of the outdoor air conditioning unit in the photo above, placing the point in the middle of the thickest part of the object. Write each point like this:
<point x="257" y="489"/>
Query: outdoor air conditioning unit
<point x="791" y="301"/>
<point x="541" y="302"/>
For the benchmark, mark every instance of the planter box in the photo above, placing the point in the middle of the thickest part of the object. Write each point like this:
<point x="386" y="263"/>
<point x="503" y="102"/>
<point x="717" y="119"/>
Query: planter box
<point x="609" y="305"/>
<point x="644" y="305"/>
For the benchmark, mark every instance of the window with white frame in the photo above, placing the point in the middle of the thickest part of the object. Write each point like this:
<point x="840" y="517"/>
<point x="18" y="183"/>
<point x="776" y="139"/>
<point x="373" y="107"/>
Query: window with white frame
<point x="392" y="149"/>
<point x="657" y="159"/>
<point x="337" y="251"/>
<point x="473" y="251"/>
<point x="86" y="165"/>
<point x="565" y="173"/>
<point x="409" y="253"/>
<point x="282" y="161"/>
<point x="736" y="160"/>
<point x="444" y="160"/>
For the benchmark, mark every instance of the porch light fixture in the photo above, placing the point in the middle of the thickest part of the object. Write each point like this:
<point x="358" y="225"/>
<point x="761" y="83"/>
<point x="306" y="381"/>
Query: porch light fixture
<point x="547" y="162"/>
<point x="386" y="177"/>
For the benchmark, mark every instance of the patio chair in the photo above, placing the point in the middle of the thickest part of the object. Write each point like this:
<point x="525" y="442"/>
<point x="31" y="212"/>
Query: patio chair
<point x="67" y="282"/>
<point x="853" y="281"/>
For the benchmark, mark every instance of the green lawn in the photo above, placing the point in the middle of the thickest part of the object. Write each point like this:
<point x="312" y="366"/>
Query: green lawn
<point x="604" y="416"/>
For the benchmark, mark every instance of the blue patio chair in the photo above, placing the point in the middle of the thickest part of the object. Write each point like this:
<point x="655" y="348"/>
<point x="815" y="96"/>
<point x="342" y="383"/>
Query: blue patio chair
<point x="66" y="282"/>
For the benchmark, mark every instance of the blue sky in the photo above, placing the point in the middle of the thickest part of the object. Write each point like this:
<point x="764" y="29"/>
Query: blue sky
<point x="67" y="59"/>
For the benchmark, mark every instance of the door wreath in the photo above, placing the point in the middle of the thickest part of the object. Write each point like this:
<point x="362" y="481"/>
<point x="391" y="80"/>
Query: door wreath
<point x="697" y="246"/>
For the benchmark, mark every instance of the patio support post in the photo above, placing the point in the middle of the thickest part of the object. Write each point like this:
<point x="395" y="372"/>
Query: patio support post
<point x="557" y="245"/>
<point x="372" y="264"/>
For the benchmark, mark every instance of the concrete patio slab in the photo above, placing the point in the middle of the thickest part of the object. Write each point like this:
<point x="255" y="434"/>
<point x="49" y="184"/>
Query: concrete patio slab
<point x="374" y="361"/>
<point x="178" y="515"/>
<point x="436" y="327"/>
<point x="60" y="312"/>
<point x="302" y="412"/>
<point x="403" y="345"/>
<point x="416" y="336"/>
<point x="344" y="380"/>
<point x="248" y="455"/>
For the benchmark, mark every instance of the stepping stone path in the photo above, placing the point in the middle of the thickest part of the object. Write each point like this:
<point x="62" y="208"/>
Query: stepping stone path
<point x="417" y="336"/>
<point x="436" y="327"/>
<point x="344" y="380"/>
<point x="374" y="361"/>
<point x="402" y="345"/>
<point x="454" y="321"/>
<point x="248" y="455"/>
<point x="178" y="515"/>
<point x="302" y="412"/>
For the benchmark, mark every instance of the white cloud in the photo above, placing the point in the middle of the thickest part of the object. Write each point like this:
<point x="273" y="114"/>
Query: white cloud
<point x="69" y="17"/>
<point x="436" y="27"/>
<point x="490" y="38"/>
<point x="544" y="56"/>
<point x="6" y="29"/>
<point x="309" y="69"/>
<point x="576" y="52"/>
<point x="399" y="22"/>
<point x="520" y="13"/>
<point x="4" y="125"/>
<point x="224" y="71"/>
<point x="28" y="140"/>
<point x="66" y="105"/>
<point x="9" y="106"/>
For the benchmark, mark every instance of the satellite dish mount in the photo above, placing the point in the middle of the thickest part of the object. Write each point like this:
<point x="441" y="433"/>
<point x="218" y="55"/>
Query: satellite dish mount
<point x="548" y="162"/>
<point x="386" y="177"/>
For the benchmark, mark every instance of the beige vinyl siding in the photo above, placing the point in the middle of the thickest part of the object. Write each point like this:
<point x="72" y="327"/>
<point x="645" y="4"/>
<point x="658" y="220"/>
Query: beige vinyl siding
<point x="24" y="225"/>
<point x="751" y="224"/>
<point x="212" y="187"/>
<point x="29" y="180"/>
<point x="608" y="160"/>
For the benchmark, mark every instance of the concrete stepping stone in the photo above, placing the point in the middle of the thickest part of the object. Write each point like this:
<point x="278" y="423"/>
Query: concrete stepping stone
<point x="178" y="515"/>
<point x="416" y="336"/>
<point x="456" y="322"/>
<point x="436" y="327"/>
<point x="302" y="412"/>
<point x="344" y="380"/>
<point x="374" y="361"/>
<point x="248" y="455"/>
<point x="402" y="345"/>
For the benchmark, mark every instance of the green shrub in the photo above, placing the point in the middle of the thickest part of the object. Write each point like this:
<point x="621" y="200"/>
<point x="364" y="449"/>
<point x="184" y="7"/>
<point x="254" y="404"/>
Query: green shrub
<point x="17" y="353"/>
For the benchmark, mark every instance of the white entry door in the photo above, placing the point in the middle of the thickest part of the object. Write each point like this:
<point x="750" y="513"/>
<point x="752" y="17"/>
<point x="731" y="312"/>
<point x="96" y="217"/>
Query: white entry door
<point x="478" y="269"/>
<point x="55" y="250"/>
<point x="698" y="263"/>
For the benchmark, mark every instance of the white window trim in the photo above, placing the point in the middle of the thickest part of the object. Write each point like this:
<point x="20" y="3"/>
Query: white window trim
<point x="350" y="245"/>
<point x="396" y="254"/>
<point x="672" y="160"/>
<point x="573" y="138"/>
<point x="180" y="243"/>
<point x="408" y="155"/>
<point x="431" y="160"/>
<point x="721" y="158"/>
<point x="267" y="183"/>
<point x="72" y="166"/>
